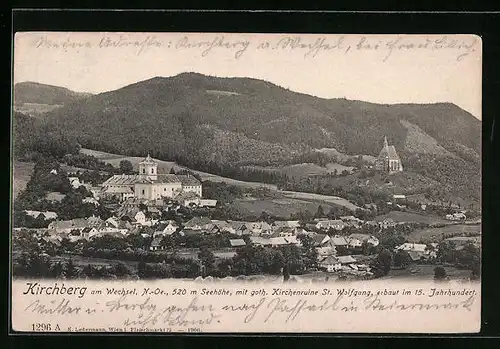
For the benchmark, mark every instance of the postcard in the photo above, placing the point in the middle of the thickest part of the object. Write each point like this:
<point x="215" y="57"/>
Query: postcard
<point x="246" y="183"/>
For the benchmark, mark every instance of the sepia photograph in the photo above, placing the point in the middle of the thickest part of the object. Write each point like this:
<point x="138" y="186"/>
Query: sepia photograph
<point x="133" y="163"/>
<point x="257" y="159"/>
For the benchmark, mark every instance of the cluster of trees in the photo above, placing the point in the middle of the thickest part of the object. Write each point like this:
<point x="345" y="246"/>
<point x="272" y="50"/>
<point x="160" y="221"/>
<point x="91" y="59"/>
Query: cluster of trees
<point x="93" y="177"/>
<point x="174" y="269"/>
<point x="33" y="265"/>
<point x="198" y="241"/>
<point x="49" y="177"/>
<point x="454" y="175"/>
<point x="222" y="192"/>
<point x="241" y="173"/>
<point x="468" y="257"/>
<point x="315" y="157"/>
<point x="33" y="140"/>
<point x="356" y="194"/>
<point x="88" y="162"/>
<point x="34" y="258"/>
<point x="227" y="193"/>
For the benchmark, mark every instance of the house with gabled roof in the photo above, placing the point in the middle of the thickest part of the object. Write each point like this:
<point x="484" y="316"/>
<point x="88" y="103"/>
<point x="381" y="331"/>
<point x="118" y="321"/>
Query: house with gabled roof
<point x="199" y="223"/>
<point x="89" y="232"/>
<point x="257" y="228"/>
<point x="156" y="244"/>
<point x="345" y="260"/>
<point x="278" y="241"/>
<point x="328" y="224"/>
<point x="357" y="240"/>
<point x="330" y="263"/>
<point x="240" y="228"/>
<point x="188" y="198"/>
<point x="320" y="239"/>
<point x="260" y="241"/>
<point x="237" y="242"/>
<point x="191" y="232"/>
<point x="64" y="227"/>
<point x="223" y="226"/>
<point x="338" y="241"/>
<point x="46" y="215"/>
<point x="166" y="228"/>
<point x="286" y="224"/>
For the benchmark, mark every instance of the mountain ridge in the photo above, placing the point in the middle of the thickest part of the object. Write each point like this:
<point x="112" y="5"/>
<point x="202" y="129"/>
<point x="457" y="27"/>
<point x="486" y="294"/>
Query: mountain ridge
<point x="40" y="93"/>
<point x="249" y="122"/>
<point x="262" y="111"/>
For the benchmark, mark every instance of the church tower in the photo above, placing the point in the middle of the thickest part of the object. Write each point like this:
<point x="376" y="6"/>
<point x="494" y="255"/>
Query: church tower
<point x="148" y="168"/>
<point x="388" y="160"/>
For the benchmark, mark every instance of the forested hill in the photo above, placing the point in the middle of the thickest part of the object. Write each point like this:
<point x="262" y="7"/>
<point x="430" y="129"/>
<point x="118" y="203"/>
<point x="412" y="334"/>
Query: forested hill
<point x="212" y="124"/>
<point x="33" y="92"/>
<point x="231" y="119"/>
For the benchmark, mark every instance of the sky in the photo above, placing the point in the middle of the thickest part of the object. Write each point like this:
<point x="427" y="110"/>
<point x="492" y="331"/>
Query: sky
<point x="384" y="69"/>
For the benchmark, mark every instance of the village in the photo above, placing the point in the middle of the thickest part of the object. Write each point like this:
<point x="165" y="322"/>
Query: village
<point x="168" y="214"/>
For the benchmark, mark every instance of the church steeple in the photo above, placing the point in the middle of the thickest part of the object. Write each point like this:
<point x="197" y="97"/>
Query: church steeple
<point x="148" y="168"/>
<point x="386" y="145"/>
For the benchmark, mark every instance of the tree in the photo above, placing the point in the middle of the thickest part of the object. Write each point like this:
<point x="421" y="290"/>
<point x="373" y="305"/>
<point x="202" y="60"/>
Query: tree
<point x="446" y="252"/>
<point x="141" y="269"/>
<point x="286" y="273"/>
<point x="439" y="273"/>
<point x="382" y="265"/>
<point x="367" y="248"/>
<point x="121" y="270"/>
<point x="70" y="271"/>
<point x="264" y="216"/>
<point x="402" y="259"/>
<point x="56" y="270"/>
<point x="320" y="213"/>
<point x="126" y="167"/>
<point x="207" y="259"/>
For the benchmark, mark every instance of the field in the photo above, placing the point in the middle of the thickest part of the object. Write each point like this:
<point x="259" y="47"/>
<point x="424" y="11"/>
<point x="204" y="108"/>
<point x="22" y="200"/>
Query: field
<point x="84" y="261"/>
<point x="342" y="156"/>
<point x="399" y="216"/>
<point x="278" y="207"/>
<point x="35" y="109"/>
<point x="305" y="169"/>
<point x="55" y="196"/>
<point x="21" y="175"/>
<point x="438" y="234"/>
<point x="188" y="253"/>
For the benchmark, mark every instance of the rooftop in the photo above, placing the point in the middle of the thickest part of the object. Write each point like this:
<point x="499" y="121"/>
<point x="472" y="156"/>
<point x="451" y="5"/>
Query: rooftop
<point x="389" y="152"/>
<point x="148" y="160"/>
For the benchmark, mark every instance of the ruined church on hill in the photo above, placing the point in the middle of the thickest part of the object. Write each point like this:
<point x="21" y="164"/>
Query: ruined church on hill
<point x="388" y="160"/>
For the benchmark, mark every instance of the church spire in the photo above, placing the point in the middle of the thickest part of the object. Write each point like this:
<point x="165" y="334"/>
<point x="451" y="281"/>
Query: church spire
<point x="386" y="145"/>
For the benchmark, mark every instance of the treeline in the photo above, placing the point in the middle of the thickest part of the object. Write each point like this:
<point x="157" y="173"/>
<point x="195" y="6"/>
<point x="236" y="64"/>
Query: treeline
<point x="49" y="177"/>
<point x="88" y="162"/>
<point x="32" y="139"/>
<point x="320" y="185"/>
<point x="468" y="257"/>
<point x="32" y="260"/>
<point x="235" y="172"/>
<point x="455" y="175"/>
